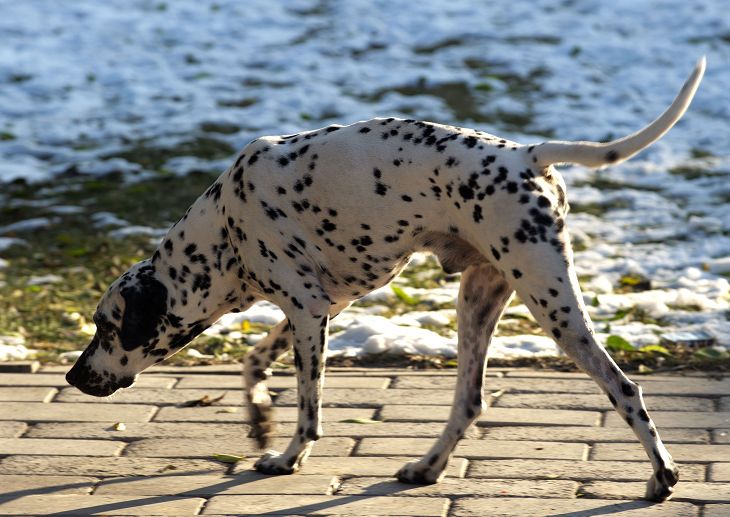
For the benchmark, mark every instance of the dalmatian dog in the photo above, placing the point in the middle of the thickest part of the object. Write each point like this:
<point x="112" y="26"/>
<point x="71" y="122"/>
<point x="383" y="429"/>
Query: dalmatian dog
<point x="313" y="221"/>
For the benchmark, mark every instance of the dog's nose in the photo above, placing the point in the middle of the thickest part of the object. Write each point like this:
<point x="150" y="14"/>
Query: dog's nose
<point x="71" y="377"/>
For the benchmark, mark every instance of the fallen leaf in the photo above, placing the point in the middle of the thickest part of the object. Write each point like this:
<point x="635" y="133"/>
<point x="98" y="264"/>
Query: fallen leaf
<point x="120" y="426"/>
<point x="203" y="401"/>
<point x="228" y="458"/>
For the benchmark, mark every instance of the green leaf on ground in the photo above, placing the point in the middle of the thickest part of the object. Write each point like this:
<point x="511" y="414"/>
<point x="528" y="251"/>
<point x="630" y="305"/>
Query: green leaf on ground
<point x="360" y="421"/>
<point x="617" y="343"/>
<point x="403" y="296"/>
<point x="228" y="458"/>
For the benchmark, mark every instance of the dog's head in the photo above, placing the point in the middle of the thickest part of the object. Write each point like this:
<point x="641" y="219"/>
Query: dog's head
<point x="134" y="329"/>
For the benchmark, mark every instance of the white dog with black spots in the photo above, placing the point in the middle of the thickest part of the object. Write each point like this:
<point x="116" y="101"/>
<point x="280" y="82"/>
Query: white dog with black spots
<point x="314" y="221"/>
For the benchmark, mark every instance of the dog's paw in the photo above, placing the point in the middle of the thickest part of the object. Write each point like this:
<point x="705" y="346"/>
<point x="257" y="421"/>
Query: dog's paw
<point x="275" y="463"/>
<point x="418" y="472"/>
<point x="661" y="485"/>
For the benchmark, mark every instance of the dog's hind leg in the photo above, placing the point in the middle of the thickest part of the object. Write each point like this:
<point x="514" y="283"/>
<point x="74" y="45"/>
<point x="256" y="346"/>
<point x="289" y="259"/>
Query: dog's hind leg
<point x="549" y="287"/>
<point x="483" y="295"/>
<point x="255" y="367"/>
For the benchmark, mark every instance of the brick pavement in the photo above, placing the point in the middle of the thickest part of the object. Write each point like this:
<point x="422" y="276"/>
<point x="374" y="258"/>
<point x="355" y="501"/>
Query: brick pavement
<point x="549" y="445"/>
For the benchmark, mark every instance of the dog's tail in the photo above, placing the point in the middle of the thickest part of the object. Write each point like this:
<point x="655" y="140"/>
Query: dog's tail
<point x="595" y="154"/>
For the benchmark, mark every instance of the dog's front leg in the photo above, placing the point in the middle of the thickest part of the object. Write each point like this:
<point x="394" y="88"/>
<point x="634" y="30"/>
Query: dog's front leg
<point x="255" y="367"/>
<point x="309" y="328"/>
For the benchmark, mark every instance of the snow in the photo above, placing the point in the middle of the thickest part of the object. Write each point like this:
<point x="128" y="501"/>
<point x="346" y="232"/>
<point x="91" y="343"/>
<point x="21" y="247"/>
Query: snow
<point x="144" y="71"/>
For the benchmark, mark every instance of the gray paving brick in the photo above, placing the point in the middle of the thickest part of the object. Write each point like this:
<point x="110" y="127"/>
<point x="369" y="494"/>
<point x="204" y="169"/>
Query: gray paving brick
<point x="17" y="485"/>
<point x="721" y="436"/>
<point x="372" y="397"/>
<point x="588" y="434"/>
<point x="492" y="416"/>
<point x="60" y="447"/>
<point x="460" y="487"/>
<point x="156" y="396"/>
<point x="329" y="505"/>
<point x="598" y="402"/>
<point x="684" y="386"/>
<point x="210" y="485"/>
<point x="571" y="469"/>
<point x="724" y="404"/>
<point x="12" y="429"/>
<point x="220" y="414"/>
<point x="70" y="412"/>
<point x="101" y="504"/>
<point x="691" y="492"/>
<point x="137" y="431"/>
<point x="360" y="466"/>
<point x="688" y="419"/>
<point x="474" y="448"/>
<point x="110" y="466"/>
<point x="523" y="506"/>
<point x="716" y="510"/>
<point x="683" y="452"/>
<point x="27" y="394"/>
<point x="205" y="447"/>
<point x="58" y="380"/>
<point x="235" y="382"/>
<point x="720" y="472"/>
<point x="492" y="384"/>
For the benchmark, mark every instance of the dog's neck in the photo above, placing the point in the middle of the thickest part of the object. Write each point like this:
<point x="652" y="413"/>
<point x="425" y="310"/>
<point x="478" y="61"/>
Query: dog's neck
<point x="196" y="262"/>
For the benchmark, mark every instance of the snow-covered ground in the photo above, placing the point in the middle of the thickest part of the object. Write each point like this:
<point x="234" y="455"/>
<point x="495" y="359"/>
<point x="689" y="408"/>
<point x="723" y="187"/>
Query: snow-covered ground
<point x="80" y="81"/>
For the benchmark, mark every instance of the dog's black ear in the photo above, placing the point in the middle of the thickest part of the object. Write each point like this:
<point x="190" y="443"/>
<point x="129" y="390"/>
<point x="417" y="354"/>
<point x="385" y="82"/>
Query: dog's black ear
<point x="145" y="305"/>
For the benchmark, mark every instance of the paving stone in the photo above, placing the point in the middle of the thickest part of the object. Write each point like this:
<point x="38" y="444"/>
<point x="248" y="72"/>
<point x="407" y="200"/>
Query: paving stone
<point x="110" y="466"/>
<point x="27" y="394"/>
<point x="493" y="384"/>
<point x="474" y="448"/>
<point x="689" y="419"/>
<point x="512" y="506"/>
<point x="683" y="452"/>
<point x="205" y="447"/>
<point x="279" y="382"/>
<point x="724" y="404"/>
<point x="328" y="505"/>
<point x="716" y="510"/>
<point x="222" y="414"/>
<point x="460" y="487"/>
<point x="372" y="397"/>
<point x="210" y="485"/>
<point x="70" y="412"/>
<point x="59" y="380"/>
<point x="720" y="472"/>
<point x="16" y="486"/>
<point x="12" y="429"/>
<point x="395" y="429"/>
<point x="578" y="470"/>
<point x="156" y="396"/>
<point x="360" y="466"/>
<point x="493" y="416"/>
<point x="137" y="431"/>
<point x="60" y="447"/>
<point x="597" y="402"/>
<point x="684" y="386"/>
<point x="102" y="504"/>
<point x="589" y="434"/>
<point x="20" y="366"/>
<point x="547" y="374"/>
<point x="721" y="436"/>
<point x="691" y="492"/>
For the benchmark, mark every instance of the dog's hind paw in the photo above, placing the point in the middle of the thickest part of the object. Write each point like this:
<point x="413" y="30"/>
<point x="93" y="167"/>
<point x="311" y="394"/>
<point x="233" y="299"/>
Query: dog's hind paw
<point x="661" y="485"/>
<point x="275" y="463"/>
<point x="420" y="473"/>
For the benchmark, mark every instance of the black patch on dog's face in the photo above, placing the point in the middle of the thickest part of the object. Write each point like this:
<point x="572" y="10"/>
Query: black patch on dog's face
<point x="145" y="305"/>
